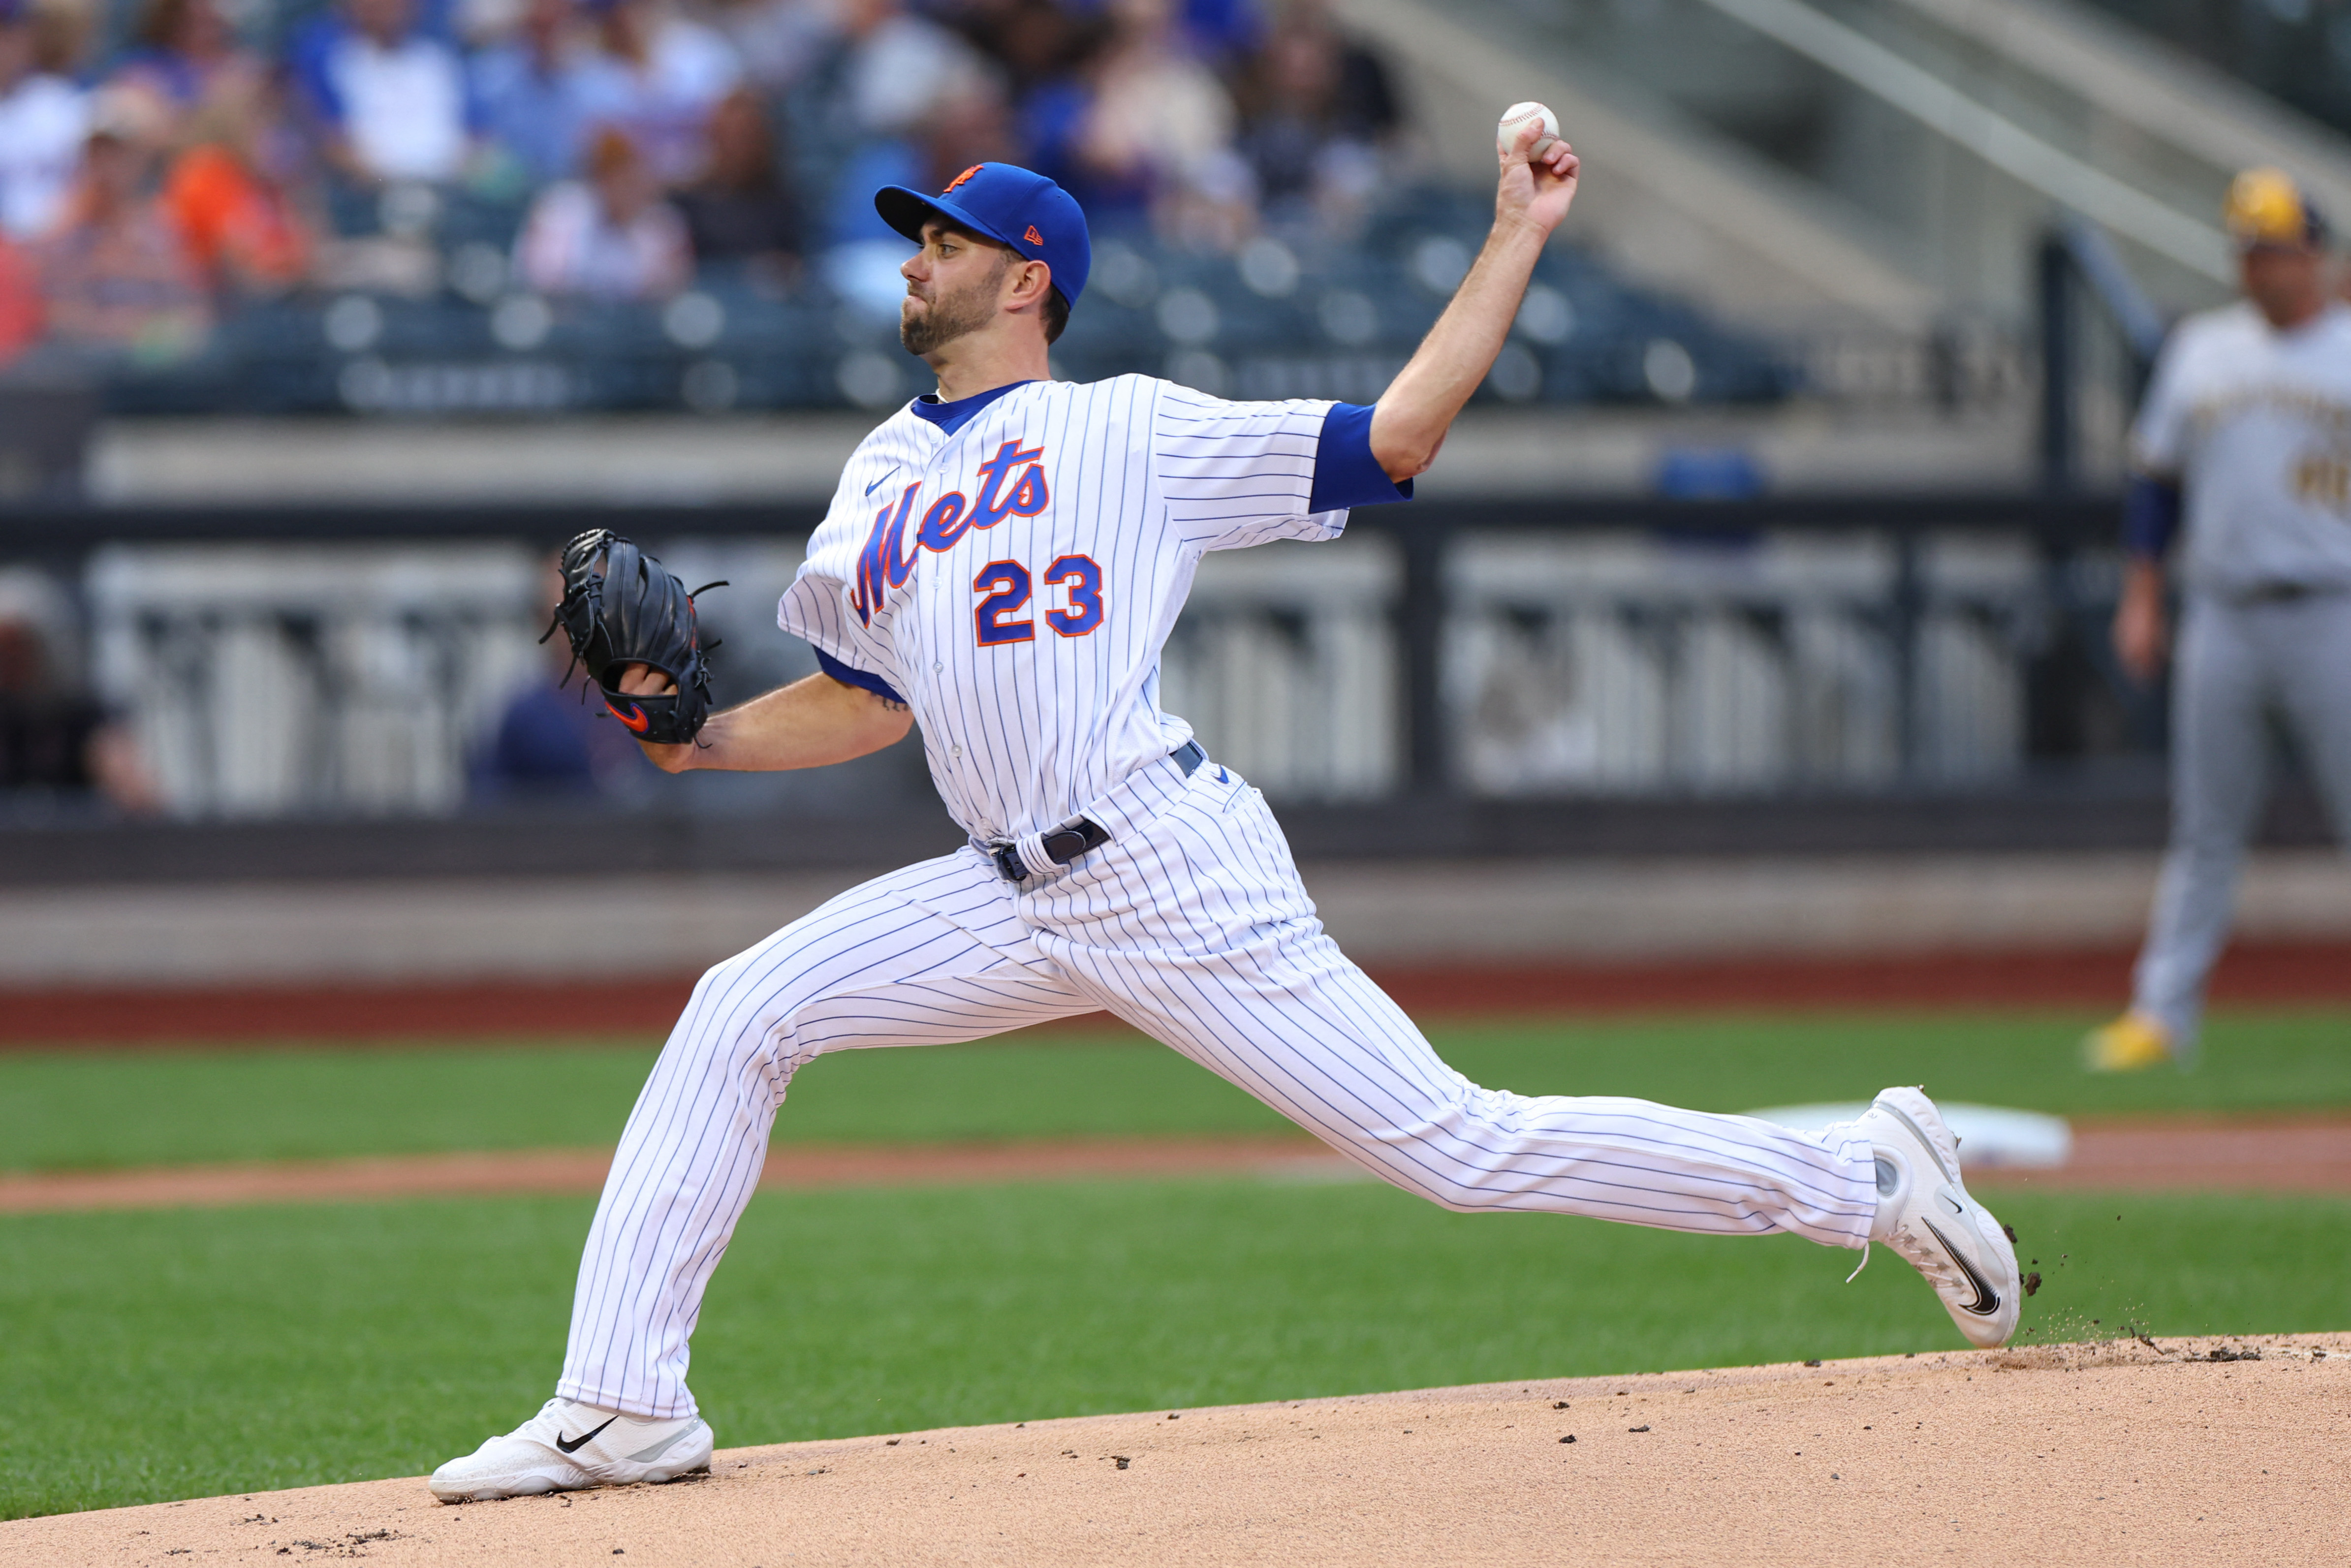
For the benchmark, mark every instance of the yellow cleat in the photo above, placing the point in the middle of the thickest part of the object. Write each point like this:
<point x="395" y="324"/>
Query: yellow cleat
<point x="2132" y="1043"/>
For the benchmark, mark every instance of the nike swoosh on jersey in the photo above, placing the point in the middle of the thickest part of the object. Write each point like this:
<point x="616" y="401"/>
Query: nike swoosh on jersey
<point x="877" y="484"/>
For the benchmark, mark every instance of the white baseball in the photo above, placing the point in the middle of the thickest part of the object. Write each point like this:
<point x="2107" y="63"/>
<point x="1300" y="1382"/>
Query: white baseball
<point x="1514" y="120"/>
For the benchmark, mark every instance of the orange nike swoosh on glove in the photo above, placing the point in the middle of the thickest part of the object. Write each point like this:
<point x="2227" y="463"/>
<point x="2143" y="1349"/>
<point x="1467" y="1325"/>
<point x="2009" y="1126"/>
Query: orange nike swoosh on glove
<point x="634" y="718"/>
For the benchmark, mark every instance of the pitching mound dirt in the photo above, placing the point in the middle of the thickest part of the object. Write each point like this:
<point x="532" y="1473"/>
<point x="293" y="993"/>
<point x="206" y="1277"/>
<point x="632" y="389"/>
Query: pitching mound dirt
<point x="2101" y="1453"/>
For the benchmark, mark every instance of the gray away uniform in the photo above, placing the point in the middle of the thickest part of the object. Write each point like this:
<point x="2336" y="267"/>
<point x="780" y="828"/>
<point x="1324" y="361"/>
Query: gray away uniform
<point x="2255" y="426"/>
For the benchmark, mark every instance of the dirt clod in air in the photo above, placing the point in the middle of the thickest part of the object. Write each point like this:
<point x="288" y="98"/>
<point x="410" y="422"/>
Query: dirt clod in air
<point x="1123" y="1460"/>
<point x="2033" y="1282"/>
<point x="2010" y="1231"/>
<point x="1637" y="1429"/>
<point x="1568" y="1438"/>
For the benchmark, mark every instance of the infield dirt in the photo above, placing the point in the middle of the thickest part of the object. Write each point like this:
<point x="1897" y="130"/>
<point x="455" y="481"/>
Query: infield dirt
<point x="2112" y="1452"/>
<point x="2306" y="1153"/>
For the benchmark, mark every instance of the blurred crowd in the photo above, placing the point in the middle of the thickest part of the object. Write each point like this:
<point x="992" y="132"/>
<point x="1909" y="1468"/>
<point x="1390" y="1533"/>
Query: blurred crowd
<point x="163" y="160"/>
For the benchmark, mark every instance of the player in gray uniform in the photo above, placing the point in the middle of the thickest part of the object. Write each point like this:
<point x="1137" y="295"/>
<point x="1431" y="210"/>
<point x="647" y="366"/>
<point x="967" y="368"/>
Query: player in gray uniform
<point x="2243" y="451"/>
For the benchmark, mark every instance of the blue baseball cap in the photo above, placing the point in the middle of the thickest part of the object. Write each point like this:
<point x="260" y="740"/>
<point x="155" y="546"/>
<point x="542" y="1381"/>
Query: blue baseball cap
<point x="1009" y="204"/>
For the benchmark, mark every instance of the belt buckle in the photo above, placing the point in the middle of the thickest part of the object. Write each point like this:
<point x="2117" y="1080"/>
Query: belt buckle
<point x="1008" y="862"/>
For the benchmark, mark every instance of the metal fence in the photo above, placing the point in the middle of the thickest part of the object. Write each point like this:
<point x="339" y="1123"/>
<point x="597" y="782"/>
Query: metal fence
<point x="353" y="662"/>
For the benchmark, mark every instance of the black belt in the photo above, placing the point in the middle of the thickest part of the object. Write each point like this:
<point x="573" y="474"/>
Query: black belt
<point x="1066" y="844"/>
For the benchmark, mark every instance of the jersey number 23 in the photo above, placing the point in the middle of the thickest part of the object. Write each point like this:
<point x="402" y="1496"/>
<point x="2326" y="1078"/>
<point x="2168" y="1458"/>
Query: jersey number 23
<point x="1004" y="587"/>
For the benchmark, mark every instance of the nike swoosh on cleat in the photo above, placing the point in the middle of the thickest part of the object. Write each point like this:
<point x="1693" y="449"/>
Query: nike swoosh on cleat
<point x="1986" y="1299"/>
<point x="877" y="484"/>
<point x="573" y="1446"/>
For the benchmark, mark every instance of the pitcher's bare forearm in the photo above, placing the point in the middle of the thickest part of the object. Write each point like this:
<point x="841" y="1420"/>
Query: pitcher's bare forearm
<point x="1420" y="404"/>
<point x="812" y="723"/>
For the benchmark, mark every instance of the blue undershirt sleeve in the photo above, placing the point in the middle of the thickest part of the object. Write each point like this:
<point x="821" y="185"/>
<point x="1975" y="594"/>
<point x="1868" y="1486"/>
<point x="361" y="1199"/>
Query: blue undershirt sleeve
<point x="850" y="675"/>
<point x="2150" y="517"/>
<point x="1346" y="473"/>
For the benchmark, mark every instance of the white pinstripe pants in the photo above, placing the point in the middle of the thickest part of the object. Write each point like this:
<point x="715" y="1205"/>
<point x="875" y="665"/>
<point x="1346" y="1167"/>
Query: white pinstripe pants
<point x="1192" y="926"/>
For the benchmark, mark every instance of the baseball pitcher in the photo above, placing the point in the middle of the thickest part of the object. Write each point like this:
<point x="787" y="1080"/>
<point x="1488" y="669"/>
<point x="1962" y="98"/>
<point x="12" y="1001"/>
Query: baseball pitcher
<point x="1001" y="565"/>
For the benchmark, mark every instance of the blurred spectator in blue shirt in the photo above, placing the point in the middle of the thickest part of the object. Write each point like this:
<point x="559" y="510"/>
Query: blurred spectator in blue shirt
<point x="529" y="92"/>
<point x="743" y="210"/>
<point x="390" y="98"/>
<point x="555" y="739"/>
<point x="1223" y="32"/>
<point x="44" y="121"/>
<point x="608" y="238"/>
<point x="554" y="742"/>
<point x="657" y="75"/>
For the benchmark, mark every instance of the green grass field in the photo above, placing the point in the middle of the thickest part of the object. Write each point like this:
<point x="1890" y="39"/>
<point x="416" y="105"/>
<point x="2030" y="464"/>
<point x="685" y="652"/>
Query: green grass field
<point x="158" y="1355"/>
<point x="137" y="1108"/>
<point x="152" y="1355"/>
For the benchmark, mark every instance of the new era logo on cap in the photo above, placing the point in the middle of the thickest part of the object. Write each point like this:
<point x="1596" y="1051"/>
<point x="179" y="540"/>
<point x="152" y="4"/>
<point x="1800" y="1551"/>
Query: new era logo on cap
<point x="1010" y="204"/>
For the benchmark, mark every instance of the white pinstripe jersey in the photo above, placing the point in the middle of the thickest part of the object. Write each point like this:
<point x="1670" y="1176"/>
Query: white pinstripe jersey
<point x="1016" y="579"/>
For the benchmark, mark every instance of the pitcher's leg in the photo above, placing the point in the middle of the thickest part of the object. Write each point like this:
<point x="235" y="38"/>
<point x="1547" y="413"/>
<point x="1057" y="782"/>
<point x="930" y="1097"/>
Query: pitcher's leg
<point x="1224" y="962"/>
<point x="1313" y="1037"/>
<point x="2219" y="775"/>
<point x="879" y="966"/>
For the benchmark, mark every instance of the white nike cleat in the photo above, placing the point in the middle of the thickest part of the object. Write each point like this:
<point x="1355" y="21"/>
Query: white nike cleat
<point x="568" y="1446"/>
<point x="1924" y="1212"/>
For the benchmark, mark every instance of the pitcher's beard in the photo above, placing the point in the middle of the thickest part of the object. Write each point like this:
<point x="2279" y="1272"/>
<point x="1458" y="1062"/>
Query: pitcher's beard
<point x="948" y="318"/>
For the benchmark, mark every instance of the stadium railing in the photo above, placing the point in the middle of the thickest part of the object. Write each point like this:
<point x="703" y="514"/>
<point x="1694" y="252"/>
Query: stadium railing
<point x="1556" y="676"/>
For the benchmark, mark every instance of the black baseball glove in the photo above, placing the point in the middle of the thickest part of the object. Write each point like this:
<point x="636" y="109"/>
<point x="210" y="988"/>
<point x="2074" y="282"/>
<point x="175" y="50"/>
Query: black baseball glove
<point x="621" y="607"/>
